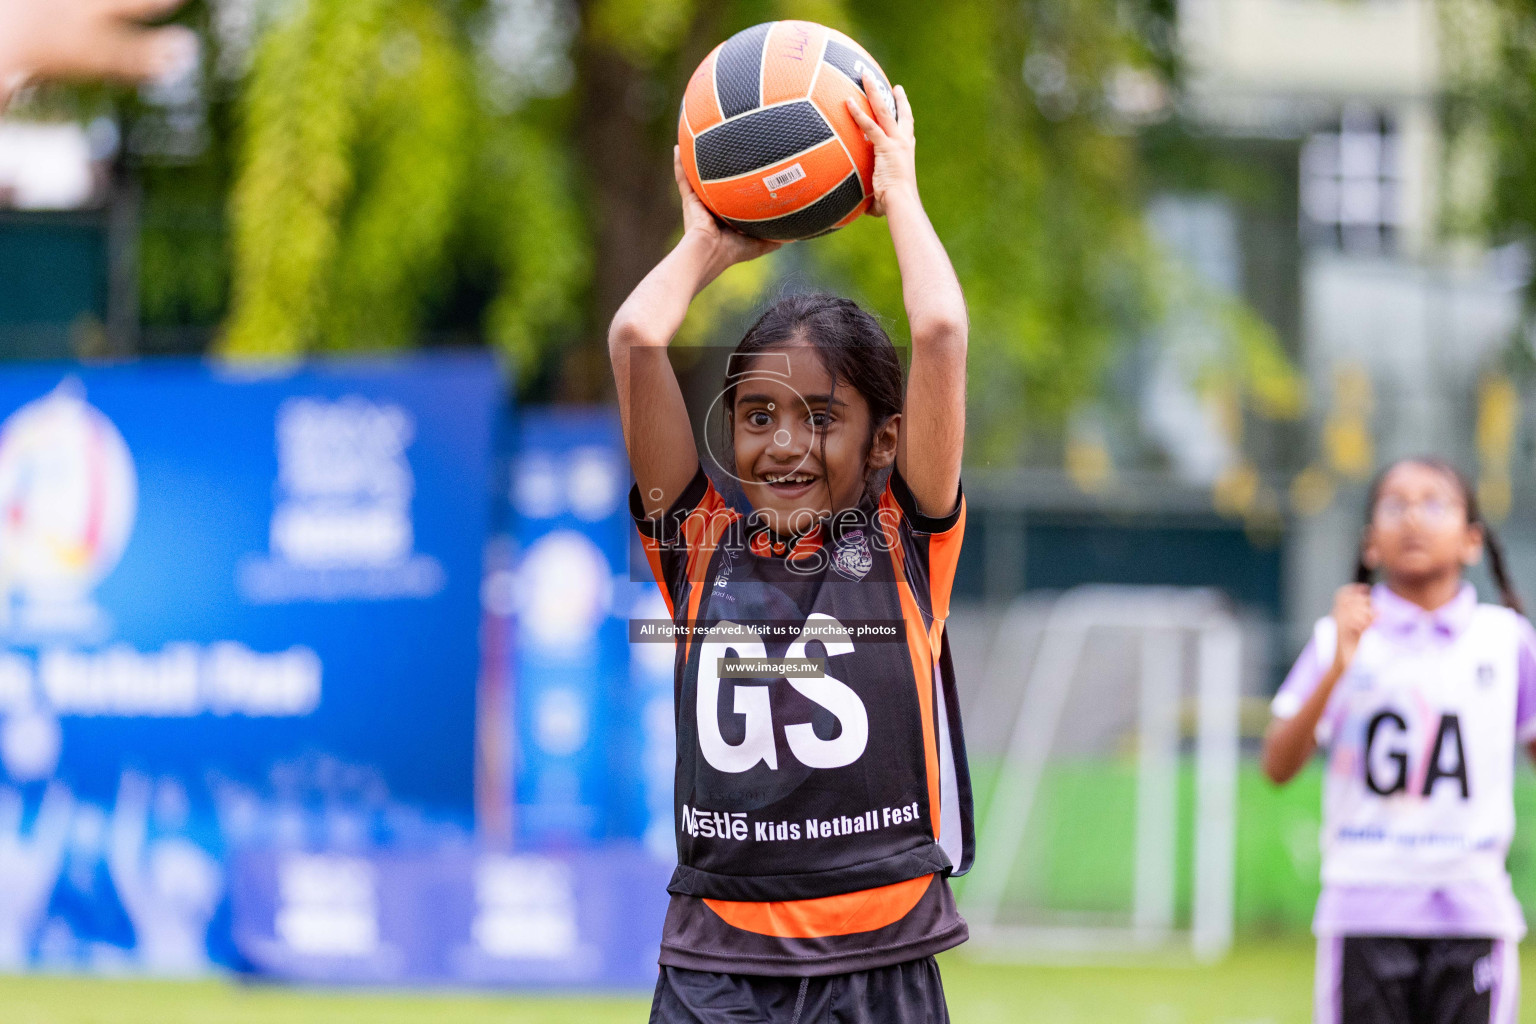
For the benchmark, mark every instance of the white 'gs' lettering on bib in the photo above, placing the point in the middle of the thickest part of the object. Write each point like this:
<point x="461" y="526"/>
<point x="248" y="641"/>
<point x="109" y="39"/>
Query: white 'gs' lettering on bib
<point x="1420" y="784"/>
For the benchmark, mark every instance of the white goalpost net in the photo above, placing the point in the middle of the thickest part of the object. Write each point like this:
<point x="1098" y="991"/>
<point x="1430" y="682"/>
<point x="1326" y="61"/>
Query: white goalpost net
<point x="1089" y="698"/>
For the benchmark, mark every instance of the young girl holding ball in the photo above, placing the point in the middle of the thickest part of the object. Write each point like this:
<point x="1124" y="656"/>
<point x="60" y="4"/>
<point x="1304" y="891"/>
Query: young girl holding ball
<point x="821" y="811"/>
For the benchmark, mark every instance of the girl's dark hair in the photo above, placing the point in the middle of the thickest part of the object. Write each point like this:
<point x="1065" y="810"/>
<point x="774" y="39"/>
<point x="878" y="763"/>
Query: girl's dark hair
<point x="852" y="345"/>
<point x="1496" y="563"/>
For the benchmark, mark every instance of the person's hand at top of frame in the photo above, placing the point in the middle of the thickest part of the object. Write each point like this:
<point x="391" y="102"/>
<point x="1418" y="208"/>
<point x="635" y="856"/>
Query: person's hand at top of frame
<point x="894" y="142"/>
<point x="76" y="40"/>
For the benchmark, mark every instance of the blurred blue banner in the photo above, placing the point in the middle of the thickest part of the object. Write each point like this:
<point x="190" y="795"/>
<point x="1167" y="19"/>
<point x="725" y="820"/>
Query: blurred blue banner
<point x="235" y="609"/>
<point x="589" y="918"/>
<point x="569" y="594"/>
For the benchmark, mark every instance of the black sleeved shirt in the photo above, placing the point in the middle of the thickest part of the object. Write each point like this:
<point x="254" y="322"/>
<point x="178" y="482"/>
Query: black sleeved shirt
<point x="821" y="793"/>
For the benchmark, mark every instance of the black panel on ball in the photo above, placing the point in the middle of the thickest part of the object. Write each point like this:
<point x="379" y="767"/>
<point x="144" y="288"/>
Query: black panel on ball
<point x="815" y="219"/>
<point x="739" y="71"/>
<point x="758" y="140"/>
<point x="853" y="65"/>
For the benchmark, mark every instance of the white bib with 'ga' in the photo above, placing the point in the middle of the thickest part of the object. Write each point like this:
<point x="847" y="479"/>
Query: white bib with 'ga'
<point x="1420" y="784"/>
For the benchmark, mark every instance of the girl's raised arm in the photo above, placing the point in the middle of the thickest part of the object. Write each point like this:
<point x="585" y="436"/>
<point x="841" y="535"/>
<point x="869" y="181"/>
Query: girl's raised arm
<point x="657" y="431"/>
<point x="933" y="431"/>
<point x="1289" y="742"/>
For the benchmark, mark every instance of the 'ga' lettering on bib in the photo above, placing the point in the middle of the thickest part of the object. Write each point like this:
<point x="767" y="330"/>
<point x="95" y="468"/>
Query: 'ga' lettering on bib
<point x="1421" y="759"/>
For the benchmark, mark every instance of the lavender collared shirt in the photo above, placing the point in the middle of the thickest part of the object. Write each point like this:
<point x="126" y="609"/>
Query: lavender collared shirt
<point x="1477" y="909"/>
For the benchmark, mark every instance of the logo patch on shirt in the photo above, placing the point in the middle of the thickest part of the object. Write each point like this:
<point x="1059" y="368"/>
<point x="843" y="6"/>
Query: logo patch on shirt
<point x="727" y="563"/>
<point x="1485" y="674"/>
<point x="853" y="557"/>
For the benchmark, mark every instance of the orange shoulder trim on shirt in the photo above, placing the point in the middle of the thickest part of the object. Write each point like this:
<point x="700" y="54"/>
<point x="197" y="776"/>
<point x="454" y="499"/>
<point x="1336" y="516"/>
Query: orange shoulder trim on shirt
<point x="922" y="650"/>
<point x="943" y="560"/>
<point x="844" y="914"/>
<point x="653" y="558"/>
<point x="702" y="530"/>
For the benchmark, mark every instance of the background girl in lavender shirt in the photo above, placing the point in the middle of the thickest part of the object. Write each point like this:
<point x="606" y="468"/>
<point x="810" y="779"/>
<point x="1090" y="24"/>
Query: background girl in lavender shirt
<point x="1420" y="696"/>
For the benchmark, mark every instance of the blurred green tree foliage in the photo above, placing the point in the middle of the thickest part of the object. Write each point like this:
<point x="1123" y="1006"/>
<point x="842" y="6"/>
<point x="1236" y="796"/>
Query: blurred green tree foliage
<point x="1490" y="112"/>
<point x="372" y="153"/>
<point x="393" y="163"/>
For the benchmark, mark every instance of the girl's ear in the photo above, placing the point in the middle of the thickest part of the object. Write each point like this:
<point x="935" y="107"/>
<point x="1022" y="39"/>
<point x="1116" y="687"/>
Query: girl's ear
<point x="882" y="446"/>
<point x="1472" y="545"/>
<point x="1369" y="556"/>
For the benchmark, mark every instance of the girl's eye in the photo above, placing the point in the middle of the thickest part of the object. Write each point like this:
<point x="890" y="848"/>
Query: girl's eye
<point x="1432" y="511"/>
<point x="820" y="419"/>
<point x="759" y="418"/>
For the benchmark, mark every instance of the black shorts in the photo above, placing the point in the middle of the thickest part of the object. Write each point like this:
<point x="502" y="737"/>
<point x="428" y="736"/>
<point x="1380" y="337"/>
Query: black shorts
<point x="906" y="993"/>
<point x="1376" y="979"/>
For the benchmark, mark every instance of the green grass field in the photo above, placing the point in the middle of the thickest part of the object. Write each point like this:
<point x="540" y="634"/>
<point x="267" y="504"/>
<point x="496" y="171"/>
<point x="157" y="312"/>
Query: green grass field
<point x="1268" y="983"/>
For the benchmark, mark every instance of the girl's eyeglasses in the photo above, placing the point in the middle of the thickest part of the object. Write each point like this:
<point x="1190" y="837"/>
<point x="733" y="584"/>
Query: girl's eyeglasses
<point x="1392" y="511"/>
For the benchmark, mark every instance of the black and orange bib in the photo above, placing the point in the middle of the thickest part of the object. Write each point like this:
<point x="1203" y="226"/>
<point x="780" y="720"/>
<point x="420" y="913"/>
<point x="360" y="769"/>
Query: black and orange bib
<point x="819" y="750"/>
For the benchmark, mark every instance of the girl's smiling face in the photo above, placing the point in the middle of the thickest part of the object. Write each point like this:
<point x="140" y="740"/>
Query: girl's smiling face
<point x="803" y="448"/>
<point x="1419" y="527"/>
